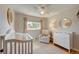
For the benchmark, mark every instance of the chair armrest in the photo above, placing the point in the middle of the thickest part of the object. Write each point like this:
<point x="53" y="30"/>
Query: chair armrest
<point x="40" y="35"/>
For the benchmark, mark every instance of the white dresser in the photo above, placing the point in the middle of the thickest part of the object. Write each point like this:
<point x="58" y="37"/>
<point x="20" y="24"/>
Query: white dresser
<point x="63" y="39"/>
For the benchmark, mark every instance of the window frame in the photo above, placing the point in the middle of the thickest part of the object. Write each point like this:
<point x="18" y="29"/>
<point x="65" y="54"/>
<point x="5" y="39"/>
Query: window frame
<point x="38" y="27"/>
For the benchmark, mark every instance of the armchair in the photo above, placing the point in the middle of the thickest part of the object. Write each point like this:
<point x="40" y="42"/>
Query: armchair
<point x="44" y="37"/>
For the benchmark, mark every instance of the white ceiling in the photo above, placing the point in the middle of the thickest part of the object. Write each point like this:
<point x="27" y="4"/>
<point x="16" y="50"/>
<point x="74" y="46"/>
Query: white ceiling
<point x="52" y="9"/>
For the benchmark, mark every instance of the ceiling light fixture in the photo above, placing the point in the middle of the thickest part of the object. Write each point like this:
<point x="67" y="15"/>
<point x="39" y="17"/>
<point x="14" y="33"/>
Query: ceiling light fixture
<point x="42" y="12"/>
<point x="42" y="9"/>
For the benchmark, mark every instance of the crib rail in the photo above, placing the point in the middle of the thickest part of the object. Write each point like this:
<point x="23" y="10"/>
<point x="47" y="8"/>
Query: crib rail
<point x="14" y="46"/>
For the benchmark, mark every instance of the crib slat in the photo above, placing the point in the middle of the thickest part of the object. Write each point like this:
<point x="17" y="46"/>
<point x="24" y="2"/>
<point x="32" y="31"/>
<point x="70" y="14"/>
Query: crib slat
<point x="31" y="47"/>
<point x="22" y="48"/>
<point x="28" y="47"/>
<point x="5" y="48"/>
<point x="25" y="47"/>
<point x="10" y="47"/>
<point x="15" y="47"/>
<point x="19" y="47"/>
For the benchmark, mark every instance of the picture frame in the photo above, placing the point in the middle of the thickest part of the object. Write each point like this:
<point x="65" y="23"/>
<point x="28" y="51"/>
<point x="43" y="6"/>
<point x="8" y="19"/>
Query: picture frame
<point x="67" y="23"/>
<point x="9" y="16"/>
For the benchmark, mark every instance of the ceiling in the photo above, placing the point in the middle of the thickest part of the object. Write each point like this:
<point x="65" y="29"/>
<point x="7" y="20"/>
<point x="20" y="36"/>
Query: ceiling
<point x="51" y="9"/>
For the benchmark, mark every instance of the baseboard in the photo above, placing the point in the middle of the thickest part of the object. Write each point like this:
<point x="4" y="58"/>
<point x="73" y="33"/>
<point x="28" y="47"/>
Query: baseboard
<point x="61" y="47"/>
<point x="75" y="50"/>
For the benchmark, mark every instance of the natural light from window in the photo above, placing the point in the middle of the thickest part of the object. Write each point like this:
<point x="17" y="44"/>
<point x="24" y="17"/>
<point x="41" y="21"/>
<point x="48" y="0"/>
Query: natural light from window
<point x="33" y="25"/>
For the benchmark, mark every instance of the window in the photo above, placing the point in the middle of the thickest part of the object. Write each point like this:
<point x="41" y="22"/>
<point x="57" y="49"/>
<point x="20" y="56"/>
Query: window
<point x="33" y="25"/>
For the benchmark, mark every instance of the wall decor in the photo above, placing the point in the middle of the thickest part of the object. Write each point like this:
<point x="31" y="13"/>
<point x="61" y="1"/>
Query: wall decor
<point x="54" y="24"/>
<point x="9" y="16"/>
<point x="77" y="14"/>
<point x="67" y="23"/>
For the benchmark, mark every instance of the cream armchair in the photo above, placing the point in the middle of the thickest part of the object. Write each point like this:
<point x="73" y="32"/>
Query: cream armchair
<point x="44" y="37"/>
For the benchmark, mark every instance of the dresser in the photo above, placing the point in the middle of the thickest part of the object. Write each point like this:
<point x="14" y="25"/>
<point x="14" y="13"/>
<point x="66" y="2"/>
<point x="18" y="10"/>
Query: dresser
<point x="63" y="39"/>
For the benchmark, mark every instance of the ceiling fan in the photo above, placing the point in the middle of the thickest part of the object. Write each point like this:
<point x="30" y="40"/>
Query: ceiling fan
<point x="42" y="9"/>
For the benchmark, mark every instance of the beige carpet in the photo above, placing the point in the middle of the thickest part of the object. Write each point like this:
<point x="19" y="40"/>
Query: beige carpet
<point x="43" y="48"/>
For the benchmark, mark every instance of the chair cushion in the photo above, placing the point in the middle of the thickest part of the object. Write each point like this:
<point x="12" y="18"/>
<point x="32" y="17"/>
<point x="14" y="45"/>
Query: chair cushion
<point x="45" y="32"/>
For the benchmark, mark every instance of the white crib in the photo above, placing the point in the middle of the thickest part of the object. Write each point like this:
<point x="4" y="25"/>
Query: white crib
<point x="63" y="39"/>
<point x="18" y="43"/>
<point x="14" y="46"/>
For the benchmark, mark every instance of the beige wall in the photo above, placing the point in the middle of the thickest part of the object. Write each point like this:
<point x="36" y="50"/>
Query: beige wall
<point x="19" y="23"/>
<point x="70" y="14"/>
<point x="4" y="26"/>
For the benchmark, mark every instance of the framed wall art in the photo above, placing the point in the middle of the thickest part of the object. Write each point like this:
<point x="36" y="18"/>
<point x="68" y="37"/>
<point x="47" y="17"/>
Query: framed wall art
<point x="9" y="16"/>
<point x="67" y="23"/>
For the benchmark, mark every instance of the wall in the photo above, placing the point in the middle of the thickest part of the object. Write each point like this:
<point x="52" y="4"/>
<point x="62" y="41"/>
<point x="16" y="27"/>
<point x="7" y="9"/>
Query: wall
<point x="4" y="26"/>
<point x="70" y="14"/>
<point x="45" y="23"/>
<point x="19" y="23"/>
<point x="34" y="33"/>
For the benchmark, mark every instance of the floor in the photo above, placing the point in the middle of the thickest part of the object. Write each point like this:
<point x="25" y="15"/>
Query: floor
<point x="43" y="48"/>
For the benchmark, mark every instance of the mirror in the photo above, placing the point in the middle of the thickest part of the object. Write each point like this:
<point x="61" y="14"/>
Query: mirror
<point x="9" y="16"/>
<point x="77" y="14"/>
<point x="67" y="23"/>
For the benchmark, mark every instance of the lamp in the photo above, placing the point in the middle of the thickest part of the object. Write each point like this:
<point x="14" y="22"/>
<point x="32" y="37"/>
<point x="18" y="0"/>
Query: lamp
<point x="42" y="12"/>
<point x="42" y="9"/>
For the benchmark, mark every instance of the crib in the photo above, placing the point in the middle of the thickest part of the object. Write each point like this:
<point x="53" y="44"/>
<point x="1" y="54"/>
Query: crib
<point x="17" y="43"/>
